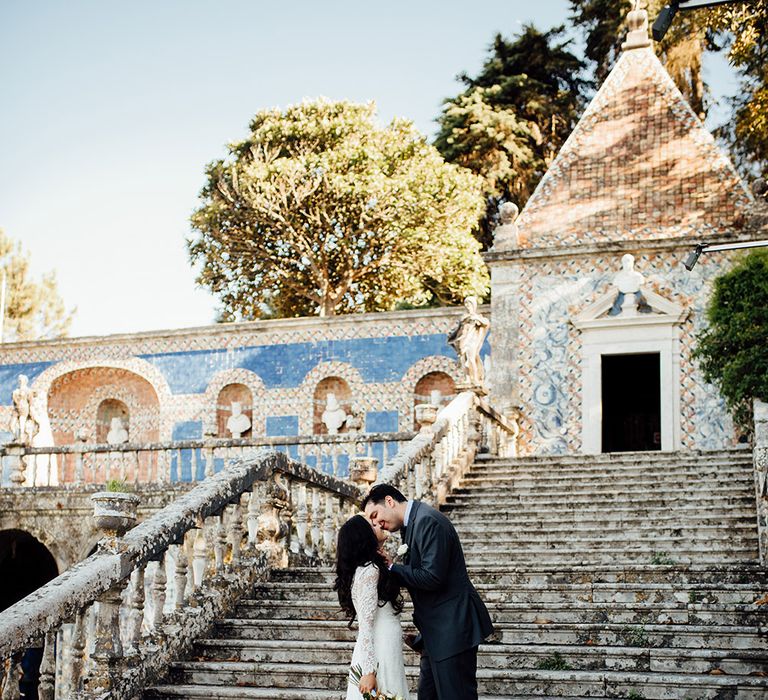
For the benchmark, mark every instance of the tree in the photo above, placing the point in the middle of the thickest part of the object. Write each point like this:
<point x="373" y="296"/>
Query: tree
<point x="33" y="310"/>
<point x="733" y="350"/>
<point x="681" y="51"/>
<point x="321" y="211"/>
<point x="742" y="30"/>
<point x="513" y="117"/>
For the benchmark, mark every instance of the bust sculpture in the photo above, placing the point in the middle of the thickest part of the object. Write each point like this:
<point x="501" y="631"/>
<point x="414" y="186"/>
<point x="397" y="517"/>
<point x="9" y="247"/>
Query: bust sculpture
<point x="467" y="340"/>
<point x="505" y="236"/>
<point x="238" y="422"/>
<point x="23" y="424"/>
<point x="628" y="281"/>
<point x="117" y="434"/>
<point x="334" y="416"/>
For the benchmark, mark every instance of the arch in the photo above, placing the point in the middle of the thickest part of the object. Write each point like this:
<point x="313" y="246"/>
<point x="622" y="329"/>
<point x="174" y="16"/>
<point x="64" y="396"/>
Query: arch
<point x="106" y="412"/>
<point x="221" y="379"/>
<point x="432" y="364"/>
<point x="231" y="398"/>
<point x="25" y="565"/>
<point x="434" y="387"/>
<point x="42" y="386"/>
<point x="327" y="387"/>
<point x="307" y="391"/>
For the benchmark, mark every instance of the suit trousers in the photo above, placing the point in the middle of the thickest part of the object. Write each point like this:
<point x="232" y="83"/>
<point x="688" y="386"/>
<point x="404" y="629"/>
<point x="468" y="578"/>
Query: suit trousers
<point x="454" y="678"/>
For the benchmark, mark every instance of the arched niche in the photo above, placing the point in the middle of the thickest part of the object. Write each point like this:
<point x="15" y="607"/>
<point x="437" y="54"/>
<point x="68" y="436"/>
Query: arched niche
<point x="437" y="388"/>
<point x="330" y="392"/>
<point x="110" y="410"/>
<point x="25" y="565"/>
<point x="231" y="398"/>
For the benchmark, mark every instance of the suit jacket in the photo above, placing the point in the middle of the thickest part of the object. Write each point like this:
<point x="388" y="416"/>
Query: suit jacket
<point x="446" y="607"/>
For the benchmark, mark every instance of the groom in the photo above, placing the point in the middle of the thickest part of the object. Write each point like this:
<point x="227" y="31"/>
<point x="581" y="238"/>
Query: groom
<point x="447" y="610"/>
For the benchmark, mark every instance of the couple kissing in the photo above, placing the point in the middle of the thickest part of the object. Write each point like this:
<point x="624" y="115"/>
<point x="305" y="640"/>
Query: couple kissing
<point x="451" y="619"/>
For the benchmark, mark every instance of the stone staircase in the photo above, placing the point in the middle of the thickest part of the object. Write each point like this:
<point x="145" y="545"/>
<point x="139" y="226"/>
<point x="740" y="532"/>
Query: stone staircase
<point x="623" y="576"/>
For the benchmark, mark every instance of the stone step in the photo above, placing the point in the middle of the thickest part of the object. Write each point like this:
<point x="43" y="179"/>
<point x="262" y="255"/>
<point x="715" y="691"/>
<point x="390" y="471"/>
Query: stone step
<point x="646" y="593"/>
<point x="557" y="612"/>
<point x="545" y="575"/>
<point x="572" y="519"/>
<point x="523" y="485"/>
<point x="499" y="656"/>
<point x="500" y="682"/>
<point x="739" y="454"/>
<point x="578" y="470"/>
<point x="558" y="633"/>
<point x="664" y="537"/>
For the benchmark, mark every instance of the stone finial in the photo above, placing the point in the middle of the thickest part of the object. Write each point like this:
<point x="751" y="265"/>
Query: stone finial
<point x="637" y="24"/>
<point x="505" y="236"/>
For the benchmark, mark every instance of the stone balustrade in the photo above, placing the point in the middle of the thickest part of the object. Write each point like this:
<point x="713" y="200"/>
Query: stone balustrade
<point x="110" y="624"/>
<point x="434" y="461"/>
<point x="760" y="460"/>
<point x="183" y="460"/>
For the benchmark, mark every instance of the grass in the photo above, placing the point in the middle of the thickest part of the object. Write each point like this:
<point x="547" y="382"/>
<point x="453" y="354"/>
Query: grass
<point x="553" y="663"/>
<point x="662" y="559"/>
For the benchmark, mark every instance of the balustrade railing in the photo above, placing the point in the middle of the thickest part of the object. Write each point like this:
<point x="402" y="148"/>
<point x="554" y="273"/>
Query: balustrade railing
<point x="184" y="460"/>
<point x="436" y="459"/>
<point x="109" y="625"/>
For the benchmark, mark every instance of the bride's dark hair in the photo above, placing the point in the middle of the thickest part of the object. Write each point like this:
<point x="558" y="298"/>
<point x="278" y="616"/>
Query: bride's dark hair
<point x="357" y="546"/>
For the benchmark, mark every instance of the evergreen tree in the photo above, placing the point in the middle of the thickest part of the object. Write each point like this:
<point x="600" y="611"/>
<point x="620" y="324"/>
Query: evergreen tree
<point x="33" y="310"/>
<point x="512" y="118"/>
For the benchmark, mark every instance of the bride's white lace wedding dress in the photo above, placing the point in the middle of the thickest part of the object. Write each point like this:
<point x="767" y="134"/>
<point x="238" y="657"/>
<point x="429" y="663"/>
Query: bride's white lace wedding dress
<point x="379" y="645"/>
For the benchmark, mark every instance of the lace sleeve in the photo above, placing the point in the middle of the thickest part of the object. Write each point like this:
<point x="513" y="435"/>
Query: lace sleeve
<point x="366" y="598"/>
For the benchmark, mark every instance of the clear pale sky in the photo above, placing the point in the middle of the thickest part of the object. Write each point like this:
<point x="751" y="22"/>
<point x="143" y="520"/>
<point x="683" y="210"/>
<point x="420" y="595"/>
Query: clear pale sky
<point x="110" y="112"/>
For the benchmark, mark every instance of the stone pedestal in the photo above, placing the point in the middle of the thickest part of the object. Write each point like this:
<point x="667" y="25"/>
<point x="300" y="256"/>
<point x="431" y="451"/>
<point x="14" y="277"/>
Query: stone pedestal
<point x="363" y="471"/>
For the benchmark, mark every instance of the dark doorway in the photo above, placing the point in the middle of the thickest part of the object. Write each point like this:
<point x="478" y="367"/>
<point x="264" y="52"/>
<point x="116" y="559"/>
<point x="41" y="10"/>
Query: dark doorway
<point x="631" y="386"/>
<point x="25" y="565"/>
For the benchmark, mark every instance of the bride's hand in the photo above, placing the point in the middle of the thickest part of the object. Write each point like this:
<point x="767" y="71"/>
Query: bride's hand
<point x="367" y="683"/>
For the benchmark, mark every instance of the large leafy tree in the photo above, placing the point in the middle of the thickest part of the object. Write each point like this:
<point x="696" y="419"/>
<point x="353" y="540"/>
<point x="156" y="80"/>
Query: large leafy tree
<point x="733" y="349"/>
<point x="511" y="119"/>
<point x="681" y="51"/>
<point x="321" y="211"/>
<point x="742" y="30"/>
<point x="33" y="309"/>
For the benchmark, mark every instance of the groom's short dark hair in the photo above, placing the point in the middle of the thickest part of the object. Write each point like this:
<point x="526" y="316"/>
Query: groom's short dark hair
<point x="379" y="492"/>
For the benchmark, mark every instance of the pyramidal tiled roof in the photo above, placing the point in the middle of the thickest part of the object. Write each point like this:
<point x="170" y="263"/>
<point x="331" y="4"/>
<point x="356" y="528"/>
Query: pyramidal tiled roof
<point x="638" y="165"/>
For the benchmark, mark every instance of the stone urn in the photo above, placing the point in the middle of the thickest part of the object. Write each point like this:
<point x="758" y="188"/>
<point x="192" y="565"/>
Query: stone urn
<point x="426" y="415"/>
<point x="114" y="512"/>
<point x="363" y="470"/>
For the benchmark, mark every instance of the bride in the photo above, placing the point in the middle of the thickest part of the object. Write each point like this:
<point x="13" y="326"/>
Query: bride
<point x="367" y="590"/>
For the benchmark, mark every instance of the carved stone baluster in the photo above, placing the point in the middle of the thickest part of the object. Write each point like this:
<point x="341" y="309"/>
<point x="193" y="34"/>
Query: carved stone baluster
<point x="12" y="674"/>
<point x="159" y="582"/>
<point x="135" y="612"/>
<point x="302" y="519"/>
<point x="208" y="462"/>
<point x="410" y="479"/>
<point x="329" y="531"/>
<point x="317" y="541"/>
<point x="47" y="682"/>
<point x="193" y="463"/>
<point x="107" y="646"/>
<point x="180" y="575"/>
<point x="253" y="516"/>
<point x="199" y="557"/>
<point x="77" y="653"/>
<point x="235" y="534"/>
<point x="219" y="543"/>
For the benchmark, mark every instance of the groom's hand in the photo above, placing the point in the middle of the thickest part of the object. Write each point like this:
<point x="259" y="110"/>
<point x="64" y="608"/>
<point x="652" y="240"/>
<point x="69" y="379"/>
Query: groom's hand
<point x="367" y="683"/>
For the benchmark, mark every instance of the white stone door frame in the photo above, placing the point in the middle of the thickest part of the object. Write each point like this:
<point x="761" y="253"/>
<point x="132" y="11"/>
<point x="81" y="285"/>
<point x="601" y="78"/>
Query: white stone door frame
<point x="657" y="332"/>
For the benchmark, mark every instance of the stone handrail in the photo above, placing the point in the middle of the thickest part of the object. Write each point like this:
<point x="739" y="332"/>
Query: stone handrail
<point x="187" y="460"/>
<point x="760" y="461"/>
<point x="430" y="466"/>
<point x="190" y="561"/>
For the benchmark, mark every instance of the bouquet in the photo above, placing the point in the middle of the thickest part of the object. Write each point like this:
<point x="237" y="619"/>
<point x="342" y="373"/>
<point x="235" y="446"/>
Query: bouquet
<point x="356" y="673"/>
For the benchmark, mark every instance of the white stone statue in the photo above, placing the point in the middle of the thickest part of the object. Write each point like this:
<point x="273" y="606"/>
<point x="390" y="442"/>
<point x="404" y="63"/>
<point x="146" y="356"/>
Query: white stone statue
<point x="628" y="281"/>
<point x="334" y="416"/>
<point x="467" y="340"/>
<point x="117" y="434"/>
<point x="238" y="422"/>
<point x="24" y="424"/>
<point x="506" y="236"/>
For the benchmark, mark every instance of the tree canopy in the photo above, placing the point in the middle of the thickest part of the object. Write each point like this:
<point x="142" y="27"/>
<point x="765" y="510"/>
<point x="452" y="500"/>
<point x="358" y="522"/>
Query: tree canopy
<point x="321" y="211"/>
<point x="681" y="51"/>
<point x="33" y="309"/>
<point x="733" y="350"/>
<point x="511" y="119"/>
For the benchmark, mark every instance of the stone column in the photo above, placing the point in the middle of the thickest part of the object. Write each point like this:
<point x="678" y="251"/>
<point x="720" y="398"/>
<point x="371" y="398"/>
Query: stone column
<point x="760" y="457"/>
<point x="505" y="314"/>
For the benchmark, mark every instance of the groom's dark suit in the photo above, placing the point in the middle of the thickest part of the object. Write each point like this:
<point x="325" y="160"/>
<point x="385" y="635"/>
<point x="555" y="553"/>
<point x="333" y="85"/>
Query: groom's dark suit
<point x="448" y="611"/>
